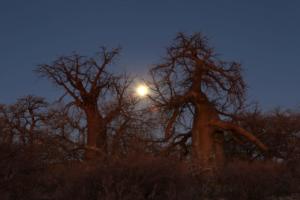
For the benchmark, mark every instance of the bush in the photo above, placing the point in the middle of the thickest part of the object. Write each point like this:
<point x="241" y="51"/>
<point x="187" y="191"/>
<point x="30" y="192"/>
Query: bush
<point x="25" y="175"/>
<point x="131" y="178"/>
<point x="257" y="180"/>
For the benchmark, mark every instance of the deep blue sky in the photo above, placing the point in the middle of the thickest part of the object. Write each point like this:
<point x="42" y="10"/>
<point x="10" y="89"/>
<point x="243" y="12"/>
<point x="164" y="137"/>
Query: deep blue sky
<point x="263" y="35"/>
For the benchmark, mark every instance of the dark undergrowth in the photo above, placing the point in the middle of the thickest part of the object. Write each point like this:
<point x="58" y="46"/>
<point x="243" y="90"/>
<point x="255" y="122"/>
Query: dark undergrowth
<point x="26" y="176"/>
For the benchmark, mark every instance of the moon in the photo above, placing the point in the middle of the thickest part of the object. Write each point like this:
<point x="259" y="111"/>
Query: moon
<point x="142" y="90"/>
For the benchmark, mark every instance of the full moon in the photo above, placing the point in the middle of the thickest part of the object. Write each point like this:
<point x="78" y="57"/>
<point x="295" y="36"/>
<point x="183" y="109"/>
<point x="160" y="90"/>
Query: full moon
<point x="142" y="90"/>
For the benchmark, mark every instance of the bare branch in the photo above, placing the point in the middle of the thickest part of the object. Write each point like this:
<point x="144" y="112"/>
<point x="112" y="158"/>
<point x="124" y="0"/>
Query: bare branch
<point x="238" y="130"/>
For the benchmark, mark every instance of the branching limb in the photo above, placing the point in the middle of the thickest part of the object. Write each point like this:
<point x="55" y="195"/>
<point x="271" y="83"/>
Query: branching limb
<point x="238" y="130"/>
<point x="170" y="125"/>
<point x="180" y="140"/>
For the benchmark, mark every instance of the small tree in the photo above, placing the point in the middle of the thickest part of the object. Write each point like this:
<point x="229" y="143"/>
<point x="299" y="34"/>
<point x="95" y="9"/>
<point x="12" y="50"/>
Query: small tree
<point x="23" y="119"/>
<point x="192" y="83"/>
<point x="93" y="89"/>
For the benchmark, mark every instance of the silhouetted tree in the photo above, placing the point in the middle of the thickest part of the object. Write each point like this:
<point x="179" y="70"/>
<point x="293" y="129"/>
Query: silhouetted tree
<point x="23" y="119"/>
<point x="192" y="83"/>
<point x="94" y="89"/>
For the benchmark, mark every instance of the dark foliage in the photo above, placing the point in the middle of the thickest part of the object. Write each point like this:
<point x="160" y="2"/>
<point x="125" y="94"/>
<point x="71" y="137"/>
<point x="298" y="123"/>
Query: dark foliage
<point x="25" y="174"/>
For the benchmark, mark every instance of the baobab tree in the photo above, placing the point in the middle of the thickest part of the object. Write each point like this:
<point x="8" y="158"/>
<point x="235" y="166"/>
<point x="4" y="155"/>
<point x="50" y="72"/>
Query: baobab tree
<point x="192" y="83"/>
<point x="94" y="89"/>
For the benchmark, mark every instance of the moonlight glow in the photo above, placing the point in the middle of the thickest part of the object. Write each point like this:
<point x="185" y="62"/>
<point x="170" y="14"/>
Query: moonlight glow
<point x="142" y="90"/>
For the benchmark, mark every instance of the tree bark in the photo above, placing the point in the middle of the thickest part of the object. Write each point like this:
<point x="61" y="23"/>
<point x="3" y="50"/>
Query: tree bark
<point x="207" y="149"/>
<point x="96" y="133"/>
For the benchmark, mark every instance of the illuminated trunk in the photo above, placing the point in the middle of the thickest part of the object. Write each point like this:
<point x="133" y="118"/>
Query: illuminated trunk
<point x="96" y="133"/>
<point x="207" y="142"/>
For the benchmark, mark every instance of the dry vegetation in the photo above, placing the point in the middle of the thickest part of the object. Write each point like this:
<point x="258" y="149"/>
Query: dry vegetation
<point x="140" y="177"/>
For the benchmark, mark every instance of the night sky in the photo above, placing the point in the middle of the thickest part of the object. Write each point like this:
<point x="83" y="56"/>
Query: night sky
<point x="264" y="35"/>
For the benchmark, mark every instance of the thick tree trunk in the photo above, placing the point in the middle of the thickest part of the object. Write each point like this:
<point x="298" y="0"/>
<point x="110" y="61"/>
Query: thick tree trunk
<point x="207" y="143"/>
<point x="96" y="133"/>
